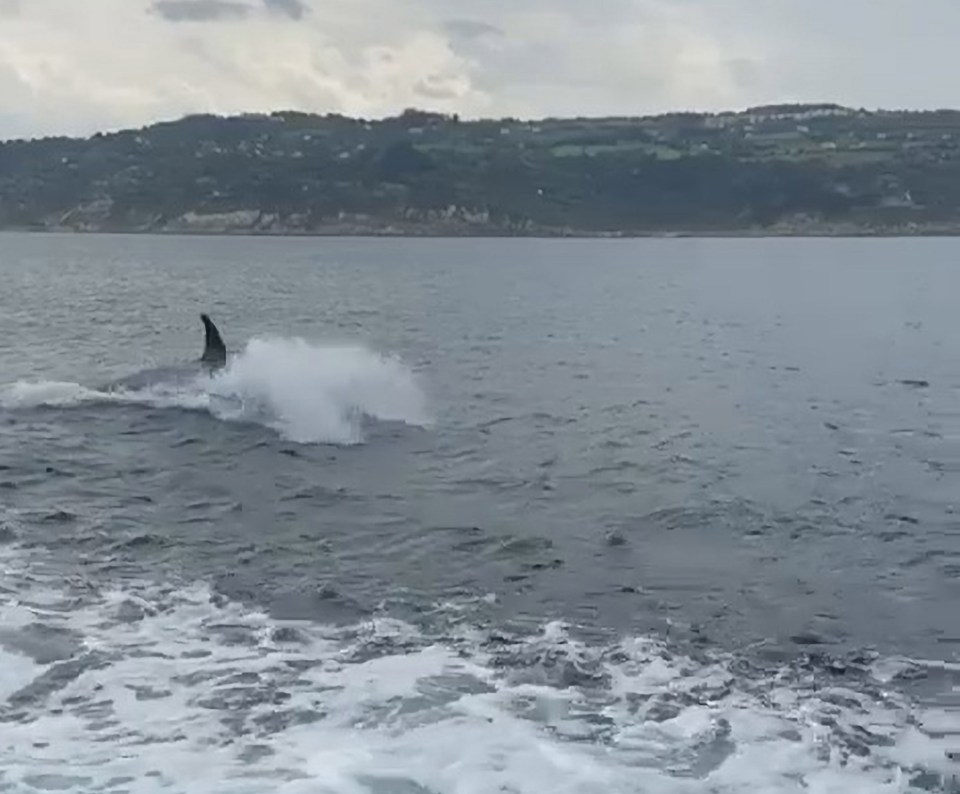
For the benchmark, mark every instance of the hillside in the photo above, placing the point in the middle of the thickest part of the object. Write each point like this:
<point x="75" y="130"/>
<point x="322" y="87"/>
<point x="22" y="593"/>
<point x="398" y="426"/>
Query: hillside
<point x="788" y="169"/>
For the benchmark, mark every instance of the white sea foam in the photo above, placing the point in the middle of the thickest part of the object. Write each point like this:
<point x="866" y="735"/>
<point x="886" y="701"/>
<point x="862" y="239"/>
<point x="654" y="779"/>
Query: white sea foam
<point x="182" y="691"/>
<point x="309" y="393"/>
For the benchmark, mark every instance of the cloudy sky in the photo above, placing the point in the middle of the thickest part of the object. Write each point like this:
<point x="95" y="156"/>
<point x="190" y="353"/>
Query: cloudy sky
<point x="76" y="66"/>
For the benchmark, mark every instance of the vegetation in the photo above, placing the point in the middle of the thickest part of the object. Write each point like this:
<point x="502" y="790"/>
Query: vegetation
<point x="783" y="169"/>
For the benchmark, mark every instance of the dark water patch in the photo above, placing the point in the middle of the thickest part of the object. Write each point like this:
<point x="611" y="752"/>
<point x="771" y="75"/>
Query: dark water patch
<point x="323" y="603"/>
<point x="487" y="426"/>
<point x="943" y="467"/>
<point x="544" y="419"/>
<point x="466" y="538"/>
<point x="59" y="517"/>
<point x="321" y="495"/>
<point x="188" y="441"/>
<point x="54" y="472"/>
<point x="615" y="539"/>
<point x="553" y="664"/>
<point x="546" y="565"/>
<point x="390" y="784"/>
<point x="130" y="611"/>
<point x="371" y="648"/>
<point x="233" y="634"/>
<point x="736" y="517"/>
<point x="140" y="499"/>
<point x="57" y="678"/>
<point x="288" y="635"/>
<point x="253" y="753"/>
<point x="279" y="719"/>
<point x="514" y="547"/>
<point x="618" y="467"/>
<point x="902" y="519"/>
<point x="491" y="483"/>
<point x="318" y="601"/>
<point x="143" y="541"/>
<point x="808" y="638"/>
<point x="889" y="536"/>
<point x="147" y="693"/>
<point x="42" y="643"/>
<point x="54" y="782"/>
<point x="209" y="511"/>
<point x="239" y="699"/>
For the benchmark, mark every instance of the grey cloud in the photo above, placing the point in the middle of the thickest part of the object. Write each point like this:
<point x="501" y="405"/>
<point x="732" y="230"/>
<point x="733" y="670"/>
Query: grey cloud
<point x="526" y="58"/>
<point x="470" y="28"/>
<point x="295" y="9"/>
<point x="199" y="10"/>
<point x="472" y="38"/>
<point x="747" y="73"/>
<point x="431" y="89"/>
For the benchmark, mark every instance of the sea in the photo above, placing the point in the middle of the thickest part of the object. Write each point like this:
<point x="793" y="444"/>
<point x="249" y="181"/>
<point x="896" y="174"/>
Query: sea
<point x="514" y="516"/>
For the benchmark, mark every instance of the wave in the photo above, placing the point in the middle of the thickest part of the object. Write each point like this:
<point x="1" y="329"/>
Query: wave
<point x="162" y="686"/>
<point x="307" y="392"/>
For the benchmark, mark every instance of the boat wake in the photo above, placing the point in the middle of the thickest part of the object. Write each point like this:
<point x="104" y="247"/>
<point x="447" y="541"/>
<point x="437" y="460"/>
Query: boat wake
<point x="149" y="687"/>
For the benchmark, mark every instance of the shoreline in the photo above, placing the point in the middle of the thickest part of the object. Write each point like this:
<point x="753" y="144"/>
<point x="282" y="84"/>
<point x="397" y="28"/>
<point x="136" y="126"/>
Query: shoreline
<point x="474" y="234"/>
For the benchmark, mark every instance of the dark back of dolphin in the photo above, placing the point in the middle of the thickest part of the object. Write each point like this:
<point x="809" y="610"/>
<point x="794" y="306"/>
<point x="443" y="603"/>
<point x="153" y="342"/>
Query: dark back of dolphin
<point x="214" y="351"/>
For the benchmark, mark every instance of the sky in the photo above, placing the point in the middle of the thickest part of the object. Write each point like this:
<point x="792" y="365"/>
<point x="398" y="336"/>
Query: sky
<point x="78" y="66"/>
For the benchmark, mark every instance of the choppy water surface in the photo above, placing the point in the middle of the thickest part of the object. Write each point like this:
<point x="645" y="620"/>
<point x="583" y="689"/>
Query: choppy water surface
<point x="481" y="516"/>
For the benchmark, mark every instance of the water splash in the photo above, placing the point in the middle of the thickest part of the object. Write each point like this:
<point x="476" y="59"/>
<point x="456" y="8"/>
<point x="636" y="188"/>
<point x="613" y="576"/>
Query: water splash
<point x="311" y="393"/>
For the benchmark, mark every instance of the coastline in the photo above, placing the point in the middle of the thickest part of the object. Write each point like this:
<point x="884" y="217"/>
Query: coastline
<point x="435" y="231"/>
<point x="799" y="171"/>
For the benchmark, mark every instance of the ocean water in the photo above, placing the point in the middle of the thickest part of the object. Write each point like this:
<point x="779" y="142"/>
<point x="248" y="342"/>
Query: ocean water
<point x="480" y="516"/>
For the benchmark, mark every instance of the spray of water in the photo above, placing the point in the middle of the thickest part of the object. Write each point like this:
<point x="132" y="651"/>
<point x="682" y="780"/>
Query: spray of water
<point x="312" y="393"/>
<point x="308" y="393"/>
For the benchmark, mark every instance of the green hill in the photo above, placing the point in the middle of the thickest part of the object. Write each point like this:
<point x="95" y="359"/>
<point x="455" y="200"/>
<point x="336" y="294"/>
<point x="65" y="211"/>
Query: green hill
<point x="779" y="169"/>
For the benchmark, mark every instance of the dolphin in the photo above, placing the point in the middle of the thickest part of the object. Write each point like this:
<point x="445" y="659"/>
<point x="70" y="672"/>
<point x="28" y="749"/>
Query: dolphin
<point x="214" y="358"/>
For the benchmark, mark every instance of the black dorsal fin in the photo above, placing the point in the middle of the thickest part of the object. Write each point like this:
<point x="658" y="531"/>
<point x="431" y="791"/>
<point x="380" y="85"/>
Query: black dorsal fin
<point x="214" y="351"/>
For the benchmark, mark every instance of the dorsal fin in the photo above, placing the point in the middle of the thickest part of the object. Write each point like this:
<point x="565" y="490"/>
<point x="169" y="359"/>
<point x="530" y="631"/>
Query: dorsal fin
<point x="214" y="351"/>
